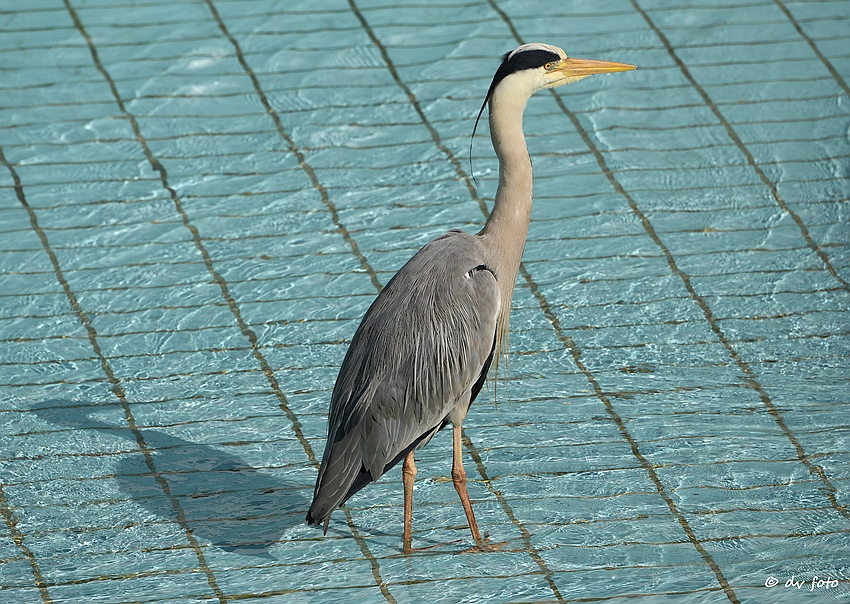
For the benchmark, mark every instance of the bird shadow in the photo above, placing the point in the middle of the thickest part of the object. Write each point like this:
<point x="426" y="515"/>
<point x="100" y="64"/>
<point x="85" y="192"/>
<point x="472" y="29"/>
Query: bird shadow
<point x="223" y="500"/>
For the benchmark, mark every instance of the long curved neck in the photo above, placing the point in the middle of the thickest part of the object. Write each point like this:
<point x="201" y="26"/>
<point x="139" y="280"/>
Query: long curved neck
<point x="507" y="226"/>
<point x="506" y="229"/>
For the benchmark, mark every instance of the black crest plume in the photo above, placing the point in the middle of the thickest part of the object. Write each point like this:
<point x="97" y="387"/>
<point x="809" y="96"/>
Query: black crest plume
<point x="524" y="59"/>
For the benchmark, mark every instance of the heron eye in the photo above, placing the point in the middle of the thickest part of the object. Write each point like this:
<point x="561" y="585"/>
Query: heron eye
<point x="548" y="66"/>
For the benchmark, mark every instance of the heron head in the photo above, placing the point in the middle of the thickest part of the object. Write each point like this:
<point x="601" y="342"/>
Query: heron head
<point x="532" y="67"/>
<point x="535" y="66"/>
<point x="541" y="66"/>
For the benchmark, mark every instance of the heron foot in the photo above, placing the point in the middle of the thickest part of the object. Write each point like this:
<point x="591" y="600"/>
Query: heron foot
<point x="408" y="549"/>
<point x="485" y="545"/>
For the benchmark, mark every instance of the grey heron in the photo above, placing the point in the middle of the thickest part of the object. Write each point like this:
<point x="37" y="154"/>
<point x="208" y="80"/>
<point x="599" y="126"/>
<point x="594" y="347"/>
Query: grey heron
<point x="423" y="349"/>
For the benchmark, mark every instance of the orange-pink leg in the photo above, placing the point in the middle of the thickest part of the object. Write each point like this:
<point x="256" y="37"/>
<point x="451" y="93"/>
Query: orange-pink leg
<point x="459" y="479"/>
<point x="408" y="473"/>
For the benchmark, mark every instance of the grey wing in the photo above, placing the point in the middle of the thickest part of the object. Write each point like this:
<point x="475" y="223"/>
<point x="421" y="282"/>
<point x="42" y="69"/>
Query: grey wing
<point x="422" y="347"/>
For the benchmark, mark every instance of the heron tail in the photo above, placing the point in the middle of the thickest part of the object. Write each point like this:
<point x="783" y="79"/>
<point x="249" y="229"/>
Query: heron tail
<point x="341" y="475"/>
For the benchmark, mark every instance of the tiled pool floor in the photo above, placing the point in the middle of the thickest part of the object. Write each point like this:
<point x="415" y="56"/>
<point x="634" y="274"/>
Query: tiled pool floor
<point x="199" y="199"/>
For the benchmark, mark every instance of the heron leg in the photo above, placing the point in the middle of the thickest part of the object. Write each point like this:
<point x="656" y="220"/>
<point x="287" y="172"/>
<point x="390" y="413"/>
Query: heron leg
<point x="459" y="479"/>
<point x="408" y="473"/>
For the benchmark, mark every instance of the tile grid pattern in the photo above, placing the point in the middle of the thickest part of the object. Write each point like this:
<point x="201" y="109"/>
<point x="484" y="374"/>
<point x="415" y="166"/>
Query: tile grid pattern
<point x="537" y="292"/>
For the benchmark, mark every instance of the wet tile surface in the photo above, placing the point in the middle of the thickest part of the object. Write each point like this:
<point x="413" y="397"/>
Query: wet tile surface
<point x="199" y="200"/>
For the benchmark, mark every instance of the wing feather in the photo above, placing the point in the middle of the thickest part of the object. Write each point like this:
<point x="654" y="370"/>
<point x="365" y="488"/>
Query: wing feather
<point x="419" y="351"/>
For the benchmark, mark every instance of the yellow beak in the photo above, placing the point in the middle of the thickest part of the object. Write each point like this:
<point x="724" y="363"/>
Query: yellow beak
<point x="581" y="68"/>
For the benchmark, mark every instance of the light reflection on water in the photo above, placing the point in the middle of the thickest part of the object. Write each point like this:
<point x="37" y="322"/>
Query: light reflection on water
<point x="711" y="338"/>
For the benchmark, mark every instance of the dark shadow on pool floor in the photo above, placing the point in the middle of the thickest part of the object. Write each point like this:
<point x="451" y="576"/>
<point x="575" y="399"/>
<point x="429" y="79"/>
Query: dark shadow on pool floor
<point x="226" y="503"/>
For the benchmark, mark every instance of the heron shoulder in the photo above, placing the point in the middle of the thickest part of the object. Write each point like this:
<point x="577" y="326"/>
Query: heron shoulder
<point x="443" y="260"/>
<point x="440" y="288"/>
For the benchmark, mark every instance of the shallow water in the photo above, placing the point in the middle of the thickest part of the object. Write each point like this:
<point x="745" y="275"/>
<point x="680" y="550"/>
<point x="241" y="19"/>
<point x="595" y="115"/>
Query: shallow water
<point x="199" y="200"/>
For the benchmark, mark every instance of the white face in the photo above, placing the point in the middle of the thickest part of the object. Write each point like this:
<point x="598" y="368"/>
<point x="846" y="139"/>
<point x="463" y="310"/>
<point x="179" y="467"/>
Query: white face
<point x="549" y="75"/>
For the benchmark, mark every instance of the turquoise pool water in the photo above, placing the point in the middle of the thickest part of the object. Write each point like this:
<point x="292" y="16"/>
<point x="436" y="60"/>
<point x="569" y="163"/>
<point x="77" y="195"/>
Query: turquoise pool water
<point x="199" y="199"/>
